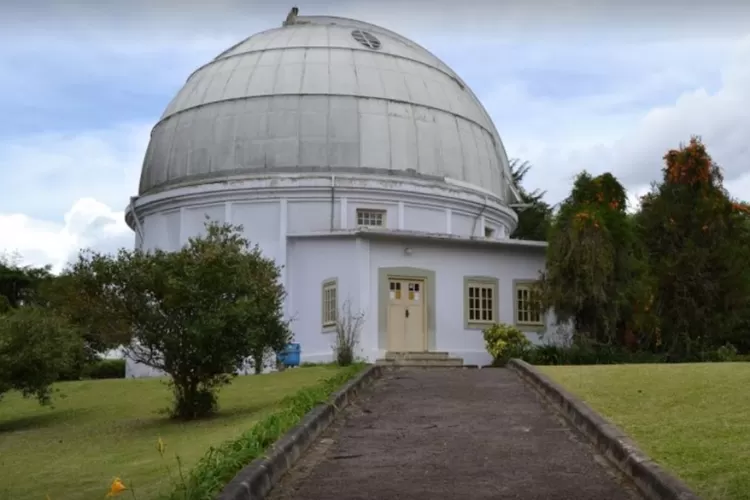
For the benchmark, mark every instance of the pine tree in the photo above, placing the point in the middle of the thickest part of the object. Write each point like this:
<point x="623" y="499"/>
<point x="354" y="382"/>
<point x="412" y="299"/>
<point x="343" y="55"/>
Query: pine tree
<point x="698" y="243"/>
<point x="534" y="220"/>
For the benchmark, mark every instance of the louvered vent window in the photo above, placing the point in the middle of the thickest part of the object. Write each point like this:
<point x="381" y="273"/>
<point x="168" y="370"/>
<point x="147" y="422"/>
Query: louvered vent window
<point x="366" y="39"/>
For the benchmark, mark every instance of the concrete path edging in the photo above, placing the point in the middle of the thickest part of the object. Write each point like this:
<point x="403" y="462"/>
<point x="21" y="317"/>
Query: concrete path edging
<point x="653" y="481"/>
<point x="256" y="479"/>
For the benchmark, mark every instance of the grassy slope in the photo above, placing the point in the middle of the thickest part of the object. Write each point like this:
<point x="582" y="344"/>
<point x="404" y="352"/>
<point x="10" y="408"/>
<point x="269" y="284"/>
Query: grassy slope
<point x="101" y="429"/>
<point x="694" y="418"/>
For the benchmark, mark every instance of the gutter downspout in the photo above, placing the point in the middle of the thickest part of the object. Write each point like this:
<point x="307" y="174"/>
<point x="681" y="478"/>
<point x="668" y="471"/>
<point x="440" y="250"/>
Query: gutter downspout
<point x="138" y="227"/>
<point x="476" y="219"/>
<point x="333" y="192"/>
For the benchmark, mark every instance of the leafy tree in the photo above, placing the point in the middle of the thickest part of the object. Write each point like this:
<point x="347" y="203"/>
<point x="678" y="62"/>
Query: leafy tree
<point x="595" y="266"/>
<point x="698" y="242"/>
<point x="19" y="284"/>
<point x="35" y="347"/>
<point x="73" y="295"/>
<point x="534" y="220"/>
<point x="197" y="314"/>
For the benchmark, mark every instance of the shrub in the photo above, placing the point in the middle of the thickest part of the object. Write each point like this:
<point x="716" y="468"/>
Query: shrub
<point x="348" y="326"/>
<point x="81" y="359"/>
<point x="727" y="352"/>
<point x="35" y="347"/>
<point x="105" y="368"/>
<point x="504" y="342"/>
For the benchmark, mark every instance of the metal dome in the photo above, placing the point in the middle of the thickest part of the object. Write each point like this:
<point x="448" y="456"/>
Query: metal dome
<point x="325" y="95"/>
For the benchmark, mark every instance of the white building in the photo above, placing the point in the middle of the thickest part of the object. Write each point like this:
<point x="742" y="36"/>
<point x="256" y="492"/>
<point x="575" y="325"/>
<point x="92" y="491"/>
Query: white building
<point x="366" y="168"/>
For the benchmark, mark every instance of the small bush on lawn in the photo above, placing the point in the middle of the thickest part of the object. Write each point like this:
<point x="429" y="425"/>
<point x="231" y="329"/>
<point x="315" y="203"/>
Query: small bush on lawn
<point x="105" y="368"/>
<point x="348" y="326"/>
<point x="727" y="352"/>
<point x="504" y="342"/>
<point x="221" y="464"/>
<point x="36" y="346"/>
<point x="81" y="359"/>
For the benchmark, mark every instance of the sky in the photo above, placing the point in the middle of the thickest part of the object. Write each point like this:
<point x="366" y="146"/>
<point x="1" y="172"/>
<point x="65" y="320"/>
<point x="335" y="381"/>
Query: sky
<point x="597" y="85"/>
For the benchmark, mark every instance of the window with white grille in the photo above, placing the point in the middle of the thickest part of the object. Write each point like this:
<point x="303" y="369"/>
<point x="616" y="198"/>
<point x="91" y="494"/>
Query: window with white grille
<point x="370" y="218"/>
<point x="330" y="303"/>
<point x="528" y="306"/>
<point x="481" y="302"/>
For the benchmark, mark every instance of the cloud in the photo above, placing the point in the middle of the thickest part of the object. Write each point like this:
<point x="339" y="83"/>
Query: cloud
<point x="516" y="17"/>
<point x="62" y="192"/>
<point x="589" y="133"/>
<point x="44" y="174"/>
<point x="88" y="224"/>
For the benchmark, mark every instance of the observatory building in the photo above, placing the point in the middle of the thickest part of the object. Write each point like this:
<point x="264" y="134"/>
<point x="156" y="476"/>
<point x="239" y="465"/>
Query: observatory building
<point x="369" y="171"/>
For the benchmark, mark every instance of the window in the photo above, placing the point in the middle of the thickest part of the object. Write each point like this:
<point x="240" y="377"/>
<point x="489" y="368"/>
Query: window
<point x="367" y="39"/>
<point x="489" y="232"/>
<point x="527" y="305"/>
<point x="480" y="302"/>
<point x="330" y="303"/>
<point x="370" y="218"/>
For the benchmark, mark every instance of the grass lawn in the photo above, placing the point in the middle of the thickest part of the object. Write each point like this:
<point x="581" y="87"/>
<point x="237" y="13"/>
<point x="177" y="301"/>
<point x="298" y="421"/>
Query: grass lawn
<point x="694" y="419"/>
<point x="106" y="428"/>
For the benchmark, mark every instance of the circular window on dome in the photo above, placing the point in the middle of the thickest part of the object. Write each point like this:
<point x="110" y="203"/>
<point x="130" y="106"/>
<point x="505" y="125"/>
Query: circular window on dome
<point x="366" y="39"/>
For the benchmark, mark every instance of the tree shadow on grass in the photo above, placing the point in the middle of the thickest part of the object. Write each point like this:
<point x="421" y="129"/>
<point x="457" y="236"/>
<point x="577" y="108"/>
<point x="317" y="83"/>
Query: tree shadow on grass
<point x="162" y="418"/>
<point x="53" y="417"/>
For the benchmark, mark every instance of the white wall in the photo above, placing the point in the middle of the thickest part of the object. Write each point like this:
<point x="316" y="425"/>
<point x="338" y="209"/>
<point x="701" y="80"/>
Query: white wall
<point x="451" y="263"/>
<point x="311" y="262"/>
<point x="270" y="210"/>
<point x="170" y="218"/>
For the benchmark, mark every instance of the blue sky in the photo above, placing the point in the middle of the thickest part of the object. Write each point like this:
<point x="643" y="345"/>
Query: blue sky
<point x="611" y="88"/>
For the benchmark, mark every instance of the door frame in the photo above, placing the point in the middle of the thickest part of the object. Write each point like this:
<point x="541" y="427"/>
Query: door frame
<point x="427" y="276"/>
<point x="423" y="304"/>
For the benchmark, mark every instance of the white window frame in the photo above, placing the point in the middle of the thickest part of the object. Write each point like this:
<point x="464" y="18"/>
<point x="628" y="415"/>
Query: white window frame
<point x="477" y="284"/>
<point x="329" y="303"/>
<point x="523" y="305"/>
<point x="366" y="217"/>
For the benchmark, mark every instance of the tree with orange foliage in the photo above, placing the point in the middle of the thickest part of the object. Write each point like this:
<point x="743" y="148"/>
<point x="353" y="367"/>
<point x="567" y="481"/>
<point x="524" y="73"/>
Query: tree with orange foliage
<point x="698" y="242"/>
<point x="595" y="269"/>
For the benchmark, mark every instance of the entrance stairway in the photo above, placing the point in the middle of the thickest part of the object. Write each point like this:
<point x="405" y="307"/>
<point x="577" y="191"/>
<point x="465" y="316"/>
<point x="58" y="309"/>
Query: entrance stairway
<point x="419" y="359"/>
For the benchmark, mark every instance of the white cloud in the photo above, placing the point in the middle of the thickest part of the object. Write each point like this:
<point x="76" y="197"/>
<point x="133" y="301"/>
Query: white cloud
<point x="632" y="147"/>
<point x="44" y="174"/>
<point x="88" y="224"/>
<point x="62" y="192"/>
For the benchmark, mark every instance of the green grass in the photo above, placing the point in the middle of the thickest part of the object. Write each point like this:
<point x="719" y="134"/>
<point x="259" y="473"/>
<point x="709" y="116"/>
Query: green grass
<point x="694" y="419"/>
<point x="215" y="469"/>
<point x="105" y="428"/>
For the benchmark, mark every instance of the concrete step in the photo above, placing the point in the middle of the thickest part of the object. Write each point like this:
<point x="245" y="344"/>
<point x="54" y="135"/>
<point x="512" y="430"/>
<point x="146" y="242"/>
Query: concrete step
<point x="416" y="355"/>
<point x="423" y="363"/>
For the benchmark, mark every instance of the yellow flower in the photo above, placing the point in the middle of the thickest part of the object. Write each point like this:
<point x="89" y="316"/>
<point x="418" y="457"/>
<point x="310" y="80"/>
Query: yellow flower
<point x="161" y="447"/>
<point x="116" y="488"/>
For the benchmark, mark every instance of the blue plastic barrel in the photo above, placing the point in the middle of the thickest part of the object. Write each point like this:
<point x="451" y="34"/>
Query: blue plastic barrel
<point x="290" y="356"/>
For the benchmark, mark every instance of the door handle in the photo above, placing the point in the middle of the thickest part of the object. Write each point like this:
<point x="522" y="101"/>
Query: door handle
<point x="407" y="313"/>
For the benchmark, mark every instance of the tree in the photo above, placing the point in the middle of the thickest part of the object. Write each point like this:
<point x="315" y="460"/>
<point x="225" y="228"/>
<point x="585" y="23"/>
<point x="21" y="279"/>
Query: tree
<point x="596" y="269"/>
<point x="22" y="286"/>
<point x="72" y="295"/>
<point x="197" y="314"/>
<point x="534" y="220"/>
<point x="35" y="347"/>
<point x="19" y="284"/>
<point x="698" y="242"/>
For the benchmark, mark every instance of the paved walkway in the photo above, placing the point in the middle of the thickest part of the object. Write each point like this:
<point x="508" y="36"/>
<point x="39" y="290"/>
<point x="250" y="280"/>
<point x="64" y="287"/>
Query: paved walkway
<point x="463" y="434"/>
